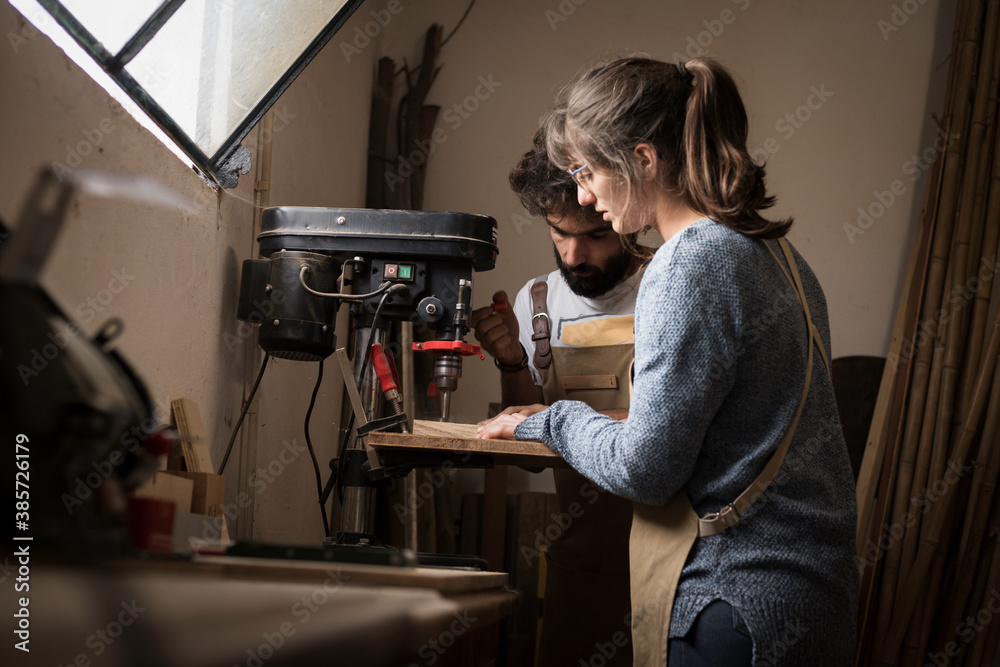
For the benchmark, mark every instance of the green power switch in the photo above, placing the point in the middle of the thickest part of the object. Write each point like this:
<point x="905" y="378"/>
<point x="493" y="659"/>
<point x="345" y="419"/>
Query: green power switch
<point x="406" y="272"/>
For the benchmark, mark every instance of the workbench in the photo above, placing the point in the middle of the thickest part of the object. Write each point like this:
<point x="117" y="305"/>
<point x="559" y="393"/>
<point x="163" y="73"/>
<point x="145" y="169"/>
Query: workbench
<point x="225" y="611"/>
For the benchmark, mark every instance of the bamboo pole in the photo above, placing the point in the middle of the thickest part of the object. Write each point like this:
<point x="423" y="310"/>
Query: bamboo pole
<point x="927" y="466"/>
<point x="936" y="278"/>
<point x="982" y="574"/>
<point x="923" y="465"/>
<point x="883" y="437"/>
<point x="984" y="482"/>
<point x="974" y="522"/>
<point x="903" y="476"/>
<point x="895" y="376"/>
<point x="961" y="19"/>
<point x="920" y="626"/>
<point x="984" y="645"/>
<point x="986" y="208"/>
<point x="957" y="296"/>
<point x="965" y="68"/>
<point x="975" y="509"/>
<point x="942" y="509"/>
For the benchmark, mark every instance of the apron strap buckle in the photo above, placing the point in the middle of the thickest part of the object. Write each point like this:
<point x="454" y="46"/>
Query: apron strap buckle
<point x="716" y="522"/>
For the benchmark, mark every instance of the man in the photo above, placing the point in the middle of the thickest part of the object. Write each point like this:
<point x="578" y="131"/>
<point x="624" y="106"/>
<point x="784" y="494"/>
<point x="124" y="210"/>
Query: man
<point x="569" y="336"/>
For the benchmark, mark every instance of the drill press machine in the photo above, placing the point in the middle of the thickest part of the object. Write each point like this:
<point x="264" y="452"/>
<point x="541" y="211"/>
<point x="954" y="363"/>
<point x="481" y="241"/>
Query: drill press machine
<point x="388" y="265"/>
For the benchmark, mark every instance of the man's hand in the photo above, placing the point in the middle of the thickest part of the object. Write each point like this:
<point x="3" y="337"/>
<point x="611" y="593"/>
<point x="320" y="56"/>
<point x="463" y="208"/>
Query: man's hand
<point x="503" y="425"/>
<point x="495" y="328"/>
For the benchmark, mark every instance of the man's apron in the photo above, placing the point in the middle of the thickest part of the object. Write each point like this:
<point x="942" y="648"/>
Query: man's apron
<point x="586" y="607"/>
<point x="662" y="537"/>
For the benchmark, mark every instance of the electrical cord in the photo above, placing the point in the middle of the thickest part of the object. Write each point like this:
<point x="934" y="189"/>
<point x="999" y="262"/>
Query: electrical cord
<point x="343" y="297"/>
<point x="246" y="407"/>
<point x="312" y="453"/>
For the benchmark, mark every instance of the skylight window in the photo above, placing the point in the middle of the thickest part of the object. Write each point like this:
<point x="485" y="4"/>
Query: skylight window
<point x="204" y="71"/>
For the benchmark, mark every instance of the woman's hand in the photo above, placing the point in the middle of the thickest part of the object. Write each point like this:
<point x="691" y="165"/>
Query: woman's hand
<point x="503" y="425"/>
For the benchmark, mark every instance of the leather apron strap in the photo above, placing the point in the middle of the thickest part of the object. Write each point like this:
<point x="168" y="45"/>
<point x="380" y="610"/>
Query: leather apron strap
<point x="716" y="522"/>
<point x="541" y="326"/>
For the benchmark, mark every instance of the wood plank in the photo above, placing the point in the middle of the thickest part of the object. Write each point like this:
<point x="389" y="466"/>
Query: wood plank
<point x="192" y="432"/>
<point x="449" y="439"/>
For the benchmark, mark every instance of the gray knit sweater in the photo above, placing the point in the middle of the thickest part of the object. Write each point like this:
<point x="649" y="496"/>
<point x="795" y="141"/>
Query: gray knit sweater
<point x="720" y="348"/>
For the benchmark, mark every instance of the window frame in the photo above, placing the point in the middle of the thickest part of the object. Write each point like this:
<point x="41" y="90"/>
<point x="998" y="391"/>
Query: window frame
<point x="232" y="158"/>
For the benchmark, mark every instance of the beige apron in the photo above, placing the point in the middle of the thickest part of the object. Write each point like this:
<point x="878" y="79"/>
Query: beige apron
<point x="587" y="605"/>
<point x="662" y="537"/>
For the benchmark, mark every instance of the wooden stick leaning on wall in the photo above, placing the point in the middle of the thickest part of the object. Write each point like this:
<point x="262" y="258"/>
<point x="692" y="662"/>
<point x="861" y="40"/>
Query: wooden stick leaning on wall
<point x="412" y="118"/>
<point x="193" y="441"/>
<point x="378" y="131"/>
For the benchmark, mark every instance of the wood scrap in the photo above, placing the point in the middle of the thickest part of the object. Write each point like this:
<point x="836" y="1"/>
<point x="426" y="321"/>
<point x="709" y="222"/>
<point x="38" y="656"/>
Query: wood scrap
<point x="193" y="441"/>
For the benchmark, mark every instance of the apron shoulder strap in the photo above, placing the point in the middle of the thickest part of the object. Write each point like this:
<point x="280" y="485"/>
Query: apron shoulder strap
<point x="540" y="324"/>
<point x="716" y="522"/>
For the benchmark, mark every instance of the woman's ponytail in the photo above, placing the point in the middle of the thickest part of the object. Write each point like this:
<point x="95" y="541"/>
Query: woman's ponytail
<point x="720" y="178"/>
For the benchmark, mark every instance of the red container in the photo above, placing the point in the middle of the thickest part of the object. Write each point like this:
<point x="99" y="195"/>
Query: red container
<point x="151" y="524"/>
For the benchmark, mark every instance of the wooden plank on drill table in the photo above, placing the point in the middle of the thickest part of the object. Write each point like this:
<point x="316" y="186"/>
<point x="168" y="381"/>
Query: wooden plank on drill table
<point x="449" y="439"/>
<point x="193" y="441"/>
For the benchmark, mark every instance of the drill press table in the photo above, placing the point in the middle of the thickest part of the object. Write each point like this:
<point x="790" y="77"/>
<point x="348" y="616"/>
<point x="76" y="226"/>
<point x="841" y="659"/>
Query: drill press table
<point x="442" y="441"/>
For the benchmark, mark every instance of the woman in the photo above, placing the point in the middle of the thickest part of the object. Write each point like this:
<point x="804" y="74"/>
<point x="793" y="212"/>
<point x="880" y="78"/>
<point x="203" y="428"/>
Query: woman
<point x="733" y="411"/>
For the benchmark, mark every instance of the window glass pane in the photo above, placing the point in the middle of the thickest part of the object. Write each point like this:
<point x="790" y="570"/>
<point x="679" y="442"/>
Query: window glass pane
<point x="112" y="22"/>
<point x="215" y="60"/>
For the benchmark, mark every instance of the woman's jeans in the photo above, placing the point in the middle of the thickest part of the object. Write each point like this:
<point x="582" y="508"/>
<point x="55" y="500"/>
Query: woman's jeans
<point x="718" y="637"/>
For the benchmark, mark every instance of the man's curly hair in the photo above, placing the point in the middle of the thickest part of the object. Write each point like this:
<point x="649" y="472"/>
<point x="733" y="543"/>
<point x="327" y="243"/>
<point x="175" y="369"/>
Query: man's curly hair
<point x="544" y="189"/>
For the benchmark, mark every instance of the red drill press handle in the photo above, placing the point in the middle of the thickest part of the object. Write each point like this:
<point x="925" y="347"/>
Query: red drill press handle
<point x="458" y="347"/>
<point x="382" y="368"/>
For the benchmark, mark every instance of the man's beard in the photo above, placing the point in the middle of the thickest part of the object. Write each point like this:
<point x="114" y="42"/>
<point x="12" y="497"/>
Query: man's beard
<point x="600" y="281"/>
